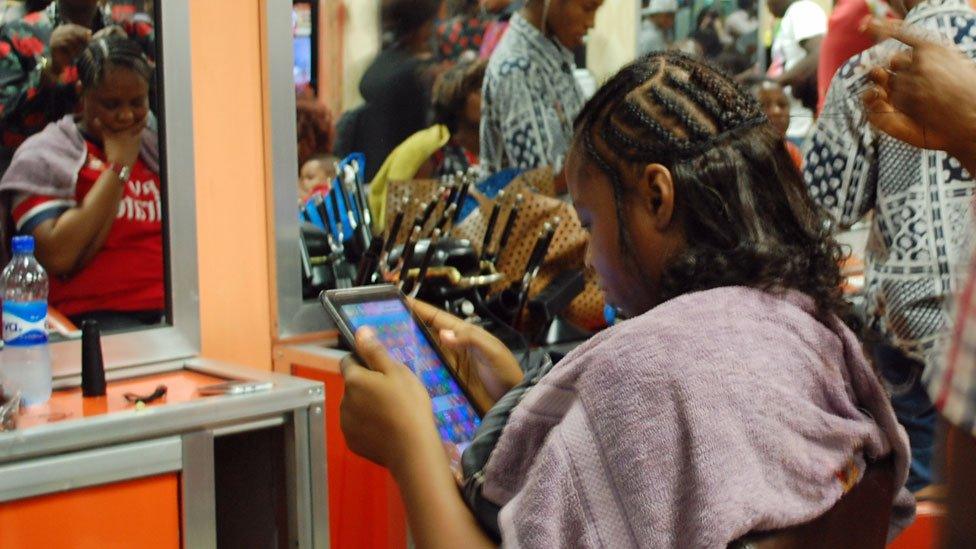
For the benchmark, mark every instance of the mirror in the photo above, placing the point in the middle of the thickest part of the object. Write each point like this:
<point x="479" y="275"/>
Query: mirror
<point x="83" y="109"/>
<point x="168" y="206"/>
<point x="366" y="57"/>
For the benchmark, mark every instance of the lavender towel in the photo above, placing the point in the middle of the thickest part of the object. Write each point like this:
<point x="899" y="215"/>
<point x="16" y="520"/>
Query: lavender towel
<point x="49" y="161"/>
<point x="715" y="414"/>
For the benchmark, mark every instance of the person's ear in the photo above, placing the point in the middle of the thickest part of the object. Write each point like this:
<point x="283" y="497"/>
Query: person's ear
<point x="657" y="193"/>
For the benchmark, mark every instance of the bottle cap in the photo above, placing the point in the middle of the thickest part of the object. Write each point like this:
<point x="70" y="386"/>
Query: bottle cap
<point x="23" y="244"/>
<point x="92" y="368"/>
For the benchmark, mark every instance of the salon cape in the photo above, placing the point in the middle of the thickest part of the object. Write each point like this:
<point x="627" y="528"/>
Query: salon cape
<point x="48" y="162"/>
<point x="716" y="414"/>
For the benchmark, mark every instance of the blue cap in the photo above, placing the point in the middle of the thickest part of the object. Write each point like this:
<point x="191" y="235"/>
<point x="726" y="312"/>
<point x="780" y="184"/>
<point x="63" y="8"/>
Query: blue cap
<point x="23" y="244"/>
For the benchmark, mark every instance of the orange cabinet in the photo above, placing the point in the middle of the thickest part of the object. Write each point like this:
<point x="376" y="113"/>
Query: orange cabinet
<point x="365" y="509"/>
<point x="143" y="512"/>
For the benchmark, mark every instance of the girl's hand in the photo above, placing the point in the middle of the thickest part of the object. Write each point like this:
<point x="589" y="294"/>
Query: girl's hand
<point x="471" y="349"/>
<point x="385" y="413"/>
<point x="122" y="146"/>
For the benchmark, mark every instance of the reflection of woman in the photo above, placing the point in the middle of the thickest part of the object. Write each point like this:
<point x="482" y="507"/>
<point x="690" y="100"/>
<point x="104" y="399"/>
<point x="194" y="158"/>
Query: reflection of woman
<point x="530" y="94"/>
<point x="447" y="147"/>
<point x="734" y="400"/>
<point x="88" y="189"/>
<point x="396" y="86"/>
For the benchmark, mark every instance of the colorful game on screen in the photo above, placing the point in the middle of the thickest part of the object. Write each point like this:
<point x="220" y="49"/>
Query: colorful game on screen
<point x="456" y="420"/>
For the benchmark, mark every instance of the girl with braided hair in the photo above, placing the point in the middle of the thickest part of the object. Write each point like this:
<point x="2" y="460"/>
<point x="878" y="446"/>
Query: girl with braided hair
<point x="733" y="401"/>
<point x="87" y="188"/>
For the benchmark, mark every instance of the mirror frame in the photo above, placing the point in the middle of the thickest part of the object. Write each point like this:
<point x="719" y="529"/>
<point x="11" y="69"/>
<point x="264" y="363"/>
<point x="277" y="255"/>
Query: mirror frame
<point x="295" y="316"/>
<point x="181" y="338"/>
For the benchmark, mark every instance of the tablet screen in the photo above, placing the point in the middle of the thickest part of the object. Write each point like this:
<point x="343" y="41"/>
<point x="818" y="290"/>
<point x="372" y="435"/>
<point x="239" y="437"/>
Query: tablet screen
<point x="454" y="415"/>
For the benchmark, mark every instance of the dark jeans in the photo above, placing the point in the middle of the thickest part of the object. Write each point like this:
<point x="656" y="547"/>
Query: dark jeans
<point x="913" y="408"/>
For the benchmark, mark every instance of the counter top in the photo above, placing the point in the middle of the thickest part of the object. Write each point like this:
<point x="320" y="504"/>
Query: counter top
<point x="70" y="422"/>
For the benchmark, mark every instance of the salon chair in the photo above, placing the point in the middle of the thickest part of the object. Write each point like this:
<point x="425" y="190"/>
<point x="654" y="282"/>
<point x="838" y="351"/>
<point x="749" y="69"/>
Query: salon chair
<point x="860" y="519"/>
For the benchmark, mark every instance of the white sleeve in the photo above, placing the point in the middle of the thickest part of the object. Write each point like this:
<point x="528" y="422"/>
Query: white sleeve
<point x="807" y="20"/>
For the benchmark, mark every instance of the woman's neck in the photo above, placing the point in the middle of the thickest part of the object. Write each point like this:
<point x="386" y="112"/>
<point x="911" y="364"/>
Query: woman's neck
<point x="83" y="16"/>
<point x="532" y="13"/>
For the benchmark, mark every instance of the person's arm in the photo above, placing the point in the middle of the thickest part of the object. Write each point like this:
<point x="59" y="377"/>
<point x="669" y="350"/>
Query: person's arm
<point x="386" y="418"/>
<point x="806" y="68"/>
<point x="23" y="78"/>
<point x="68" y="242"/>
<point x="925" y="97"/>
<point x="840" y="168"/>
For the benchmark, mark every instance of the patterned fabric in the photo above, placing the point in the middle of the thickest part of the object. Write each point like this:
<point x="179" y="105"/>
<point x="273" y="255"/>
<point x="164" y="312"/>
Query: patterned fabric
<point x="952" y="382"/>
<point x="921" y="199"/>
<point x="460" y="34"/>
<point x="529" y="101"/>
<point x="27" y="103"/>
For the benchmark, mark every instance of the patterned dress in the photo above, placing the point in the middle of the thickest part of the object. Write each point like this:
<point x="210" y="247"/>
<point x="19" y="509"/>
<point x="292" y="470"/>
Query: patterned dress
<point x="27" y="105"/>
<point x="529" y="100"/>
<point x="921" y="199"/>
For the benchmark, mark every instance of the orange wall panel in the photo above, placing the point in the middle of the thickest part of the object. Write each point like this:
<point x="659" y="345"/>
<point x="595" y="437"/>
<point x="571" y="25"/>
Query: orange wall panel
<point x="365" y="509"/>
<point x="142" y="513"/>
<point x="231" y="188"/>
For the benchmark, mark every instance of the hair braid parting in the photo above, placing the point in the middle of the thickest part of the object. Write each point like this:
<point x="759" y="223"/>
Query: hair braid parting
<point x="742" y="204"/>
<point x="111" y="51"/>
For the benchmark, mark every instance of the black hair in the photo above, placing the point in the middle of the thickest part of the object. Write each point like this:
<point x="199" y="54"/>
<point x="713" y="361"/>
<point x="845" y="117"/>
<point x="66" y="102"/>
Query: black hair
<point x="401" y="18"/>
<point x="111" y="51"/>
<point x="746" y="214"/>
<point x="452" y="88"/>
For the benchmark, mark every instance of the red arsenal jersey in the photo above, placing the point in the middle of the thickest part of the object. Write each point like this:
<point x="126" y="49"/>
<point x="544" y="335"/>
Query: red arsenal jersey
<point x="127" y="273"/>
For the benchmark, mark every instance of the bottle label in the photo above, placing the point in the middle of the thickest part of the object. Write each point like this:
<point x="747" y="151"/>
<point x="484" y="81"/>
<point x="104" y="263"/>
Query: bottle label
<point x="24" y="323"/>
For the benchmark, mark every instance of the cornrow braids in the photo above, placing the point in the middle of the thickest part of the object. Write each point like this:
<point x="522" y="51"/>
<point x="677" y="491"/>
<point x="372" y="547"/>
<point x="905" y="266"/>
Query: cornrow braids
<point x="111" y="51"/>
<point x="747" y="217"/>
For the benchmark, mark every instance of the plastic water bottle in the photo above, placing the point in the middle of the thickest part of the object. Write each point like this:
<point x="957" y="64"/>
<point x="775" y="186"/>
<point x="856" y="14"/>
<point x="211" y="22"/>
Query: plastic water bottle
<point x="26" y="361"/>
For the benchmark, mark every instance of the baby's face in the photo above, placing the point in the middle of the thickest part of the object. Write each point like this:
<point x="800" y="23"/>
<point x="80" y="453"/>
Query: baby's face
<point x="314" y="173"/>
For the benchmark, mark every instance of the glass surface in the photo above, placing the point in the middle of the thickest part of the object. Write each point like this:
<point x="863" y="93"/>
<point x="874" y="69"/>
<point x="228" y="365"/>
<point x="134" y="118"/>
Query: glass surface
<point x="121" y="277"/>
<point x="457" y="421"/>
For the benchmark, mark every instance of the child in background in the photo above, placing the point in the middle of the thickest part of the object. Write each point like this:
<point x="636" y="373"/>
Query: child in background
<point x="776" y="105"/>
<point x="316" y="176"/>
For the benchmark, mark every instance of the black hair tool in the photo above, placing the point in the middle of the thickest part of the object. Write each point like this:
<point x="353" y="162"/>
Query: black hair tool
<point x="429" y="210"/>
<point x="509" y="226"/>
<point x="461" y="199"/>
<point x="425" y="264"/>
<point x="361" y="196"/>
<point x="452" y="194"/>
<point x="533" y="265"/>
<point x="406" y="256"/>
<point x="369" y="261"/>
<point x="490" y="229"/>
<point x="394" y="230"/>
<point x="444" y="223"/>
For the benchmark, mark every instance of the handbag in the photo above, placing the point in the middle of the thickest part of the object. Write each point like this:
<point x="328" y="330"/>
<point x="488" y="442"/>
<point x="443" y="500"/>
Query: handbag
<point x="566" y="252"/>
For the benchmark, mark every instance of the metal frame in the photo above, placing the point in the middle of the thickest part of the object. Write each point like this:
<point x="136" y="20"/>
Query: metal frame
<point x="295" y="315"/>
<point x="88" y="451"/>
<point x="182" y="338"/>
<point x="89" y="468"/>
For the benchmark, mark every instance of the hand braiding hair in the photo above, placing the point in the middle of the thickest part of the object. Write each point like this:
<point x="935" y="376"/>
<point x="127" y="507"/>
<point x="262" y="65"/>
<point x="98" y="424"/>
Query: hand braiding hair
<point x="741" y="203"/>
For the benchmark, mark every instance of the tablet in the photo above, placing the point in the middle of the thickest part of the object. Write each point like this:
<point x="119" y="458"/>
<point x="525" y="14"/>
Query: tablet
<point x="384" y="309"/>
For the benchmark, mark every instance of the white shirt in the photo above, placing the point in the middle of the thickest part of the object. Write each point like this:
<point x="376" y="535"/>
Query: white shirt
<point x="804" y="19"/>
<point x="651" y="38"/>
